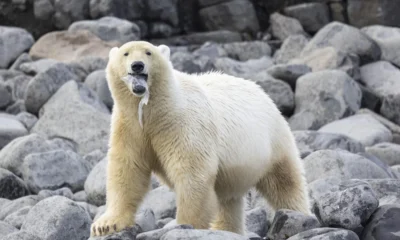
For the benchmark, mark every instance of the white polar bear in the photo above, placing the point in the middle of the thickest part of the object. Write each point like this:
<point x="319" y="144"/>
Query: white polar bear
<point x="210" y="137"/>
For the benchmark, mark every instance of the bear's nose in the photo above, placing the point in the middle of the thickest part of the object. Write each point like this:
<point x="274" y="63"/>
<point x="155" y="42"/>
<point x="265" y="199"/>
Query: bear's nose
<point x="139" y="89"/>
<point x="137" y="67"/>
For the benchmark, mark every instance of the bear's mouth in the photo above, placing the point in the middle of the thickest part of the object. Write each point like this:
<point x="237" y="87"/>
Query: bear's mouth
<point x="143" y="76"/>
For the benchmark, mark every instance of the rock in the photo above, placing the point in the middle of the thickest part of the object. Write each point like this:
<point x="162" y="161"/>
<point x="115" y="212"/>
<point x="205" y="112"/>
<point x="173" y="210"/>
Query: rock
<point x="242" y="69"/>
<point x="43" y="86"/>
<point x="291" y="48"/>
<point x="211" y="50"/>
<point x="20" y="235"/>
<point x="10" y="129"/>
<point x="279" y="91"/>
<point x="53" y="170"/>
<point x="35" y="67"/>
<point x="109" y="29"/>
<point x="162" y="201"/>
<point x="383" y="224"/>
<point x="325" y="234"/>
<point x="17" y="218"/>
<point x="12" y="156"/>
<point x="157" y="234"/>
<point x="23" y="58"/>
<point x="17" y="204"/>
<point x="94" y="157"/>
<point x="253" y="236"/>
<point x="396" y="170"/>
<point x="236" y="15"/>
<point x="65" y="46"/>
<point x="163" y="222"/>
<point x="387" y="152"/>
<point x="83" y="67"/>
<point x="198" y="38"/>
<point x="388" y="39"/>
<point x="370" y="100"/>
<point x="29" y="120"/>
<point x="90" y="209"/>
<point x="341" y="164"/>
<point x="95" y="185"/>
<point x="54" y="217"/>
<point x="74" y="112"/>
<point x="146" y="220"/>
<point x="256" y="221"/>
<point x="171" y="223"/>
<point x="63" y="143"/>
<point x="13" y="42"/>
<point x="190" y="63"/>
<point x="311" y="141"/>
<point x="97" y="82"/>
<point x="361" y="127"/>
<point x="80" y="196"/>
<point x="17" y="107"/>
<point x="344" y="38"/>
<point x="192" y="234"/>
<point x="11" y="186"/>
<point x="383" y="79"/>
<point x="3" y="201"/>
<point x="43" y="9"/>
<point x="385" y="189"/>
<point x="379" y="163"/>
<point x="6" y="229"/>
<point x="6" y="75"/>
<point x="345" y="204"/>
<point x="282" y="27"/>
<point x="126" y="234"/>
<point x="160" y="30"/>
<point x="18" y="85"/>
<point x="165" y="11"/>
<point x="287" y="223"/>
<point x="5" y="95"/>
<point x="323" y="97"/>
<point x="373" y="12"/>
<point x="244" y="51"/>
<point x="65" y="192"/>
<point x="288" y="72"/>
<point x="312" y="16"/>
<point x="124" y="9"/>
<point x="69" y="12"/>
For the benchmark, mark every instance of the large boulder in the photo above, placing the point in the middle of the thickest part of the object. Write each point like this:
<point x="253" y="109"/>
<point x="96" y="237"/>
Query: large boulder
<point x="291" y="48"/>
<point x="361" y="127"/>
<point x="11" y="186"/>
<point x="10" y="129"/>
<point x="13" y="42"/>
<point x="55" y="217"/>
<point x="97" y="82"/>
<point x="383" y="224"/>
<point x="77" y="114"/>
<point x="323" y="97"/>
<point x="17" y="218"/>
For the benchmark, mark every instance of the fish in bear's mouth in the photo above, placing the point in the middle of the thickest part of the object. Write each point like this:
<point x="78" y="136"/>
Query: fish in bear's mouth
<point x="143" y="76"/>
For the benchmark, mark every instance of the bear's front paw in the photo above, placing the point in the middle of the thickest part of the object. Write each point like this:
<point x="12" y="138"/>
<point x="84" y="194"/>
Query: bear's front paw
<point x="110" y="223"/>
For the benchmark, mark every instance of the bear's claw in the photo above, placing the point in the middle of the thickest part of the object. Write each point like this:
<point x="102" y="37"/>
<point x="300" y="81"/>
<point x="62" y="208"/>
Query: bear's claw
<point x="108" y="224"/>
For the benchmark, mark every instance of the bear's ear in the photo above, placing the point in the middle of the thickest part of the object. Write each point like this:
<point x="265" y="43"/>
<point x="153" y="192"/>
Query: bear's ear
<point x="112" y="52"/>
<point x="164" y="51"/>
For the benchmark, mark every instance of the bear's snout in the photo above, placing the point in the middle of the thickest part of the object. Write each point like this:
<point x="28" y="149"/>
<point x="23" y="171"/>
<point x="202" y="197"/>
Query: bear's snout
<point x="137" y="67"/>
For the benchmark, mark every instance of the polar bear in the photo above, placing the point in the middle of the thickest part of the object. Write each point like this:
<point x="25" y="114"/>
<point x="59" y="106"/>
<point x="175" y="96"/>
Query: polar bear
<point x="210" y="137"/>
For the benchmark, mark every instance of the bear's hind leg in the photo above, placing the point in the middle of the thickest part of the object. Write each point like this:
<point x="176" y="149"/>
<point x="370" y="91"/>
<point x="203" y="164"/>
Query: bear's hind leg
<point x="230" y="216"/>
<point x="284" y="186"/>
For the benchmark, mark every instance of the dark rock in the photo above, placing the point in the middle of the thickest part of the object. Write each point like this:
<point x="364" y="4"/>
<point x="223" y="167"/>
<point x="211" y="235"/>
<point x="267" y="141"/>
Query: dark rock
<point x="325" y="234"/>
<point x="312" y="16"/>
<point x="291" y="48"/>
<point x="163" y="11"/>
<point x="383" y="224"/>
<point x="283" y="27"/>
<point x="160" y="30"/>
<point x="5" y="95"/>
<point x="10" y="129"/>
<point x="13" y="42"/>
<point x="288" y="72"/>
<point x="373" y="12"/>
<point x="198" y="38"/>
<point x="124" y="9"/>
<point x="16" y="219"/>
<point x="69" y="12"/>
<point x="11" y="186"/>
<point x="191" y="63"/>
<point x="157" y="234"/>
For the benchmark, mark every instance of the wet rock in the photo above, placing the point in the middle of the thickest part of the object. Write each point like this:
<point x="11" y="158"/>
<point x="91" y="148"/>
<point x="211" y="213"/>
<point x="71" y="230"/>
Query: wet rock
<point x="291" y="48"/>
<point x="312" y="16"/>
<point x="383" y="224"/>
<point x="10" y="129"/>
<point x="13" y="42"/>
<point x="11" y="186"/>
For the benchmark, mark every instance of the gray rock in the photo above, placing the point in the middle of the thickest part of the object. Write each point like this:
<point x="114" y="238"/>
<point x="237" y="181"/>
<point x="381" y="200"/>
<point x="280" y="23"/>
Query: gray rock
<point x="6" y="229"/>
<point x="388" y="39"/>
<point x="146" y="220"/>
<point x="379" y="163"/>
<point x="211" y="50"/>
<point x="190" y="63"/>
<point x="16" y="219"/>
<point x="192" y="234"/>
<point x="288" y="72"/>
<point x="312" y="16"/>
<point x="76" y="113"/>
<point x="90" y="209"/>
<point x="13" y="42"/>
<point x="162" y="201"/>
<point x="80" y="196"/>
<point x="287" y="223"/>
<point x="97" y="82"/>
<point x="23" y="58"/>
<point x="164" y="11"/>
<point x="387" y="152"/>
<point x="163" y="222"/>
<point x="157" y="234"/>
<point x="17" y="204"/>
<point x="396" y="170"/>
<point x="125" y="9"/>
<point x="347" y="204"/>
<point x="383" y="79"/>
<point x="53" y="170"/>
<point x="341" y="164"/>
<point x="282" y="27"/>
<point x="198" y="38"/>
<point x="243" y="69"/>
<point x="5" y="95"/>
<point x="11" y="186"/>
<point x="291" y="48"/>
<point x="18" y="85"/>
<point x="84" y="66"/>
<point x="160" y="30"/>
<point x="256" y="221"/>
<point x="17" y="107"/>
<point x="323" y="97"/>
<point x="126" y="234"/>
<point x="43" y="9"/>
<point x="109" y="29"/>
<point x="41" y="65"/>
<point x="236" y="15"/>
<point x="244" y="51"/>
<point x="20" y="235"/>
<point x="94" y="157"/>
<point x="44" y="85"/>
<point x="383" y="224"/>
<point x="325" y="234"/>
<point x="65" y="192"/>
<point x="95" y="185"/>
<point x="361" y="127"/>
<point x="279" y="91"/>
<point x="3" y="201"/>
<point x="62" y="143"/>
<point x="311" y="141"/>
<point x="344" y="38"/>
<point x="6" y="75"/>
<point x="386" y="190"/>
<point x="253" y="236"/>
<point x="69" y="12"/>
<point x="29" y="120"/>
<point x="10" y="129"/>
<point x="54" y="217"/>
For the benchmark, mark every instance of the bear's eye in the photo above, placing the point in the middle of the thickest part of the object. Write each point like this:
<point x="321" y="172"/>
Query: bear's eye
<point x="148" y="53"/>
<point x="126" y="54"/>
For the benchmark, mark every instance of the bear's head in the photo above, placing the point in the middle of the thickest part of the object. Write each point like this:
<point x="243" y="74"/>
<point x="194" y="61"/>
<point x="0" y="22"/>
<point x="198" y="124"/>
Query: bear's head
<point x="138" y="64"/>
